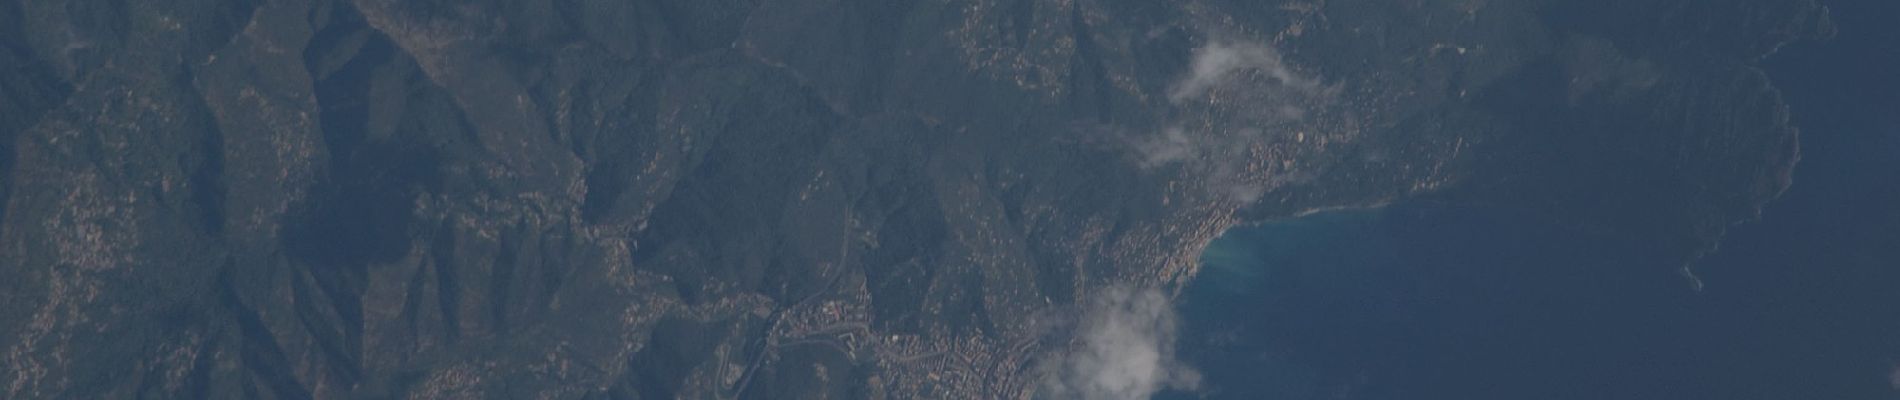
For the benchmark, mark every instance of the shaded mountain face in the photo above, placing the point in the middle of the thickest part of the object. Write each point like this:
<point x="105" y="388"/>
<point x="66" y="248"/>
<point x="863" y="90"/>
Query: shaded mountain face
<point x="753" y="198"/>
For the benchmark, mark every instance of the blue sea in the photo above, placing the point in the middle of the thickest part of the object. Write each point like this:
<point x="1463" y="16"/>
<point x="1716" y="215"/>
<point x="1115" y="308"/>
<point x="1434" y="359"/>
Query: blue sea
<point x="1435" y="301"/>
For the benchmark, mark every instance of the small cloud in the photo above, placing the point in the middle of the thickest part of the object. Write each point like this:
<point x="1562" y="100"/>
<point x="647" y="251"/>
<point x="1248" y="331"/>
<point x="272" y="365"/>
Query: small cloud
<point x="1596" y="66"/>
<point x="1221" y="61"/>
<point x="1893" y="377"/>
<point x="1237" y="100"/>
<point x="1173" y="146"/>
<point x="1126" y="351"/>
<point x="1246" y="193"/>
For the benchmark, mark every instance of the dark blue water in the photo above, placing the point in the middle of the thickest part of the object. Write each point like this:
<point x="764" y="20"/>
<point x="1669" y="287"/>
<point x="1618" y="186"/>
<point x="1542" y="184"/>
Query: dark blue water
<point x="1428" y="301"/>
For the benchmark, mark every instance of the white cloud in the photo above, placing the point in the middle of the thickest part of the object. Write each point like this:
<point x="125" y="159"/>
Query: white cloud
<point x="1236" y="100"/>
<point x="1221" y="61"/>
<point x="1893" y="377"/>
<point x="1173" y="146"/>
<point x="1125" y="351"/>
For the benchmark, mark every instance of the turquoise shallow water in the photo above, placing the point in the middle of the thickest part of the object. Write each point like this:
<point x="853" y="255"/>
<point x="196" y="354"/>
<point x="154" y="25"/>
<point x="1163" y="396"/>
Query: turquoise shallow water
<point x="1420" y="299"/>
<point x="1231" y="305"/>
<point x="1242" y="258"/>
<point x="1426" y="301"/>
